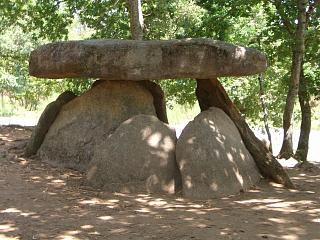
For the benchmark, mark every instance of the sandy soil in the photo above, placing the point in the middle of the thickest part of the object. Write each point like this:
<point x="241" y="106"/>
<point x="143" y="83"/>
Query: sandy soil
<point x="41" y="202"/>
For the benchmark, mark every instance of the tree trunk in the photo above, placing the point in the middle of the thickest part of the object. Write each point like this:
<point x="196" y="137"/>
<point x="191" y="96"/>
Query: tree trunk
<point x="265" y="111"/>
<point x="136" y="19"/>
<point x="2" y="102"/>
<point x="297" y="57"/>
<point x="210" y="93"/>
<point x="304" y="100"/>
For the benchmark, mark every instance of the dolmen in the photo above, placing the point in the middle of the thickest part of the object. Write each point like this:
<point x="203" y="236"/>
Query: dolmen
<point x="117" y="132"/>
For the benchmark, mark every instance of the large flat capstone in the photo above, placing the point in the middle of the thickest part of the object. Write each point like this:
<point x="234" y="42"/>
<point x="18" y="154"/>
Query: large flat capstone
<point x="145" y="60"/>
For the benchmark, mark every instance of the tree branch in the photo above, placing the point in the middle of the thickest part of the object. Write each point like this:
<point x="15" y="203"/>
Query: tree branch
<point x="283" y="17"/>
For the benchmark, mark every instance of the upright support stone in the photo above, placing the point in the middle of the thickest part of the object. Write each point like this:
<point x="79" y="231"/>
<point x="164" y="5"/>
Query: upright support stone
<point x="46" y="119"/>
<point x="159" y="101"/>
<point x="210" y="93"/>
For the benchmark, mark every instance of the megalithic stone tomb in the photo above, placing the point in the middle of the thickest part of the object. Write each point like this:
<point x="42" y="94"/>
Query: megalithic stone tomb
<point x="91" y="132"/>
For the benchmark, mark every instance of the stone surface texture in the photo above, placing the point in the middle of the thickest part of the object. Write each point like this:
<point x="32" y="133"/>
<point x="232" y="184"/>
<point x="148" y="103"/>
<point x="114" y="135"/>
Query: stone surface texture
<point x="145" y="60"/>
<point x="88" y="120"/>
<point x="213" y="159"/>
<point x="45" y="121"/>
<point x="138" y="156"/>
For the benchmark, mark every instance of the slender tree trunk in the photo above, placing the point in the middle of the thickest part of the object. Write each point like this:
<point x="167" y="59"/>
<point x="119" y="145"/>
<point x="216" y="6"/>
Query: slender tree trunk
<point x="265" y="111"/>
<point x="305" y="127"/>
<point x="297" y="57"/>
<point x="2" y="102"/>
<point x="136" y="19"/>
<point x="211" y="93"/>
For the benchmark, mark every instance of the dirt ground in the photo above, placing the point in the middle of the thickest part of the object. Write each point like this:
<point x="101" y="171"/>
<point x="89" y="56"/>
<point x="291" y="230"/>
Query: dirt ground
<point x="41" y="202"/>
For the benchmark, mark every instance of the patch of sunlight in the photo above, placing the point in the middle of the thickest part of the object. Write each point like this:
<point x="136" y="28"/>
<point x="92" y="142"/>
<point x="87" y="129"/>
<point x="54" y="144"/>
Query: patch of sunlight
<point x="291" y="237"/>
<point x="141" y="200"/>
<point x="175" y="206"/>
<point x="144" y="195"/>
<point x="118" y="230"/>
<point x="230" y="157"/>
<point x="281" y="207"/>
<point x="157" y="203"/>
<point x="23" y="161"/>
<point x="105" y="218"/>
<point x="188" y="219"/>
<point x="188" y="182"/>
<point x="239" y="176"/>
<point x="69" y="235"/>
<point x="57" y="183"/>
<point x="316" y="220"/>
<point x="154" y="140"/>
<point x="196" y="211"/>
<point x="182" y="164"/>
<point x="277" y="185"/>
<point x="225" y="231"/>
<point x="89" y="202"/>
<point x="293" y="190"/>
<point x="191" y="140"/>
<point x="279" y="220"/>
<point x="143" y="210"/>
<point x="262" y="200"/>
<point x="4" y="228"/>
<point x="240" y="53"/>
<point x="96" y="201"/>
<point x="11" y="210"/>
<point x="167" y="145"/>
<point x="36" y="178"/>
<point x="87" y="226"/>
<point x="195" y="205"/>
<point x="281" y="204"/>
<point x="52" y="193"/>
<point x="146" y="133"/>
<point x="4" y="237"/>
<point x="214" y="186"/>
<point x="201" y="225"/>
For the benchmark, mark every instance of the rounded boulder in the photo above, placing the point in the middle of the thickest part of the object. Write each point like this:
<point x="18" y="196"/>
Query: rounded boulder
<point x="213" y="159"/>
<point x="139" y="156"/>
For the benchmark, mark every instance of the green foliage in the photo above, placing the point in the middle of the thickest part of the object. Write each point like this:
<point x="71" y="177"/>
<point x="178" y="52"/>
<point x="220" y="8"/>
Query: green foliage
<point x="180" y="91"/>
<point x="15" y="46"/>
<point x="169" y="19"/>
<point x="109" y="18"/>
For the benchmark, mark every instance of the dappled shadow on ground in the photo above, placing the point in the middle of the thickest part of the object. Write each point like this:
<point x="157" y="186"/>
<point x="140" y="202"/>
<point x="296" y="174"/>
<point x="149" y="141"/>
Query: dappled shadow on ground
<point x="40" y="202"/>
